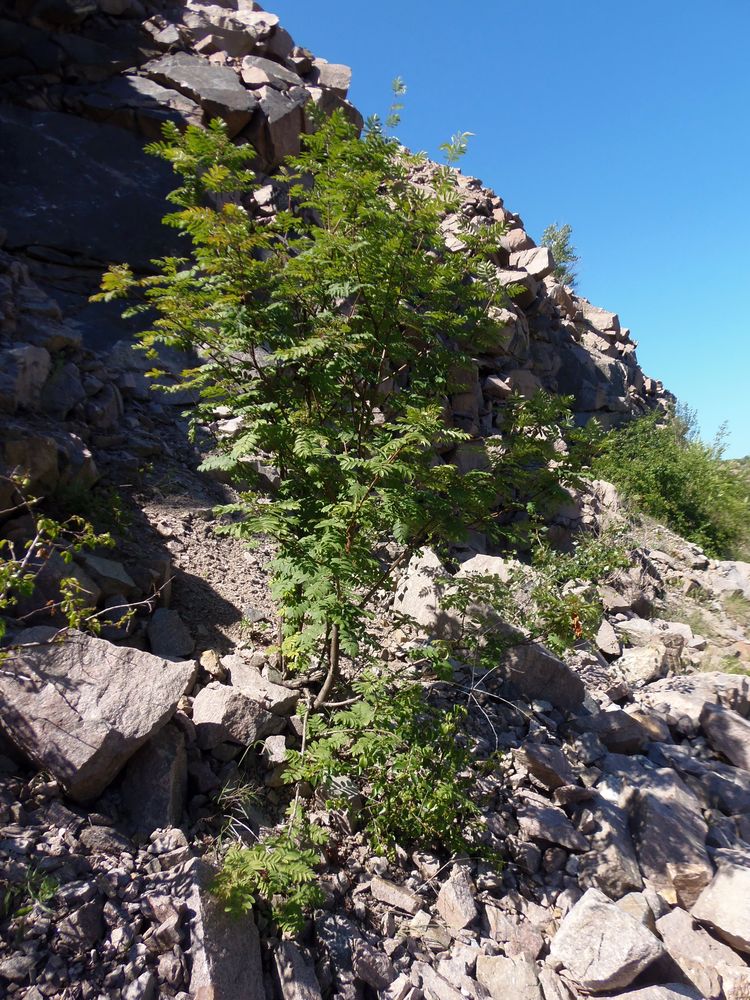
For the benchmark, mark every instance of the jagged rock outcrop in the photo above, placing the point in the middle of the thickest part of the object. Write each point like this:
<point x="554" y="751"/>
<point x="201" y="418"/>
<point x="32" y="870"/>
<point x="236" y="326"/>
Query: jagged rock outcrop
<point x="83" y="86"/>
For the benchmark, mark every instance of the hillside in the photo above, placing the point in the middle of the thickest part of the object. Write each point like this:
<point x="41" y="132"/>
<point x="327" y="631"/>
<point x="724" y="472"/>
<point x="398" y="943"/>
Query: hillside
<point x="547" y="795"/>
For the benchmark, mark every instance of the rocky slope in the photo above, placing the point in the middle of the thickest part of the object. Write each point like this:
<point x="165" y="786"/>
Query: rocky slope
<point x="621" y="800"/>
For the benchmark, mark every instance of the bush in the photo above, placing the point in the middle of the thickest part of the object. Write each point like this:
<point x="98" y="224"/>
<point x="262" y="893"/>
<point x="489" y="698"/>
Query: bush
<point x="557" y="238"/>
<point x="22" y="561"/>
<point x="334" y="331"/>
<point x="665" y="470"/>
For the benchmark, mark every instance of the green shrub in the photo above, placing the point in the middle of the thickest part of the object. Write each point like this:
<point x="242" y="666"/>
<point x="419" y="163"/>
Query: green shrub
<point x="21" y="563"/>
<point x="557" y="238"/>
<point x="665" y="470"/>
<point x="405" y="757"/>
<point x="334" y="331"/>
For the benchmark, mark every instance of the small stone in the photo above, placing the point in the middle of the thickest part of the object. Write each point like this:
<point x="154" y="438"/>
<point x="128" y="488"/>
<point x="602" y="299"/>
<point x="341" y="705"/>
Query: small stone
<point x="395" y="895"/>
<point x="508" y="977"/>
<point x="455" y="902"/>
<point x="169" y="636"/>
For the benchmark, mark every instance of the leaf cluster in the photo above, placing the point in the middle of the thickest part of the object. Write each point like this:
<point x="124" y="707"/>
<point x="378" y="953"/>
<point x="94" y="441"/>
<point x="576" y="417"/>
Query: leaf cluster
<point x="278" y="872"/>
<point x="405" y="757"/>
<point x="22" y="562"/>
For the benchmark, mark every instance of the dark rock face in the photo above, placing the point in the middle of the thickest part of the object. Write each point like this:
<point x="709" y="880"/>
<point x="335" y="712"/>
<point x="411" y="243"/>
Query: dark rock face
<point x="70" y="186"/>
<point x="84" y="85"/>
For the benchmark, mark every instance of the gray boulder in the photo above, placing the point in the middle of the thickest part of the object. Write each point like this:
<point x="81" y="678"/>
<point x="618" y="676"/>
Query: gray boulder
<point x="723" y="905"/>
<point x="223" y="714"/>
<point x="728" y="733"/>
<point x="81" y="707"/>
<point x="217" y="89"/>
<point x="600" y="947"/>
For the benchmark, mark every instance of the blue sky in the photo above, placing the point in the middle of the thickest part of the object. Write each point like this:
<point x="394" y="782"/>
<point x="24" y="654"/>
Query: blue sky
<point x="630" y="121"/>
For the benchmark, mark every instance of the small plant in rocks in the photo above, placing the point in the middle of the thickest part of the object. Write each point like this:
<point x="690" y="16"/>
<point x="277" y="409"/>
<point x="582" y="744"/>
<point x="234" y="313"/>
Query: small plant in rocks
<point x="21" y="563"/>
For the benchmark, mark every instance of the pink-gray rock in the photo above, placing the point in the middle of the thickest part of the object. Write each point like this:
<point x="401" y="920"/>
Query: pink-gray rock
<point x="154" y="784"/>
<point x="223" y="714"/>
<point x="700" y="956"/>
<point x="617" y="730"/>
<point x="371" y="966"/>
<point x="420" y="591"/>
<point x="169" y="636"/>
<point x="728" y="733"/>
<point x="643" y="663"/>
<point x="331" y="76"/>
<point x="723" y="905"/>
<point x="538" y="261"/>
<point x="247" y="678"/>
<point x="607" y="641"/>
<point x="110" y="575"/>
<point x="81" y="707"/>
<point x="225" y="949"/>
<point x="538" y="674"/>
<point x="611" y="864"/>
<point x="672" y="991"/>
<point x="508" y="977"/>
<point x="395" y="895"/>
<point x="666" y="823"/>
<point x="455" y="902"/>
<point x="548" y="764"/>
<point x="600" y="947"/>
<point x="23" y="371"/>
<point x="538" y="822"/>
<point x="295" y="973"/>
<point x="217" y="89"/>
<point x="684" y="696"/>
